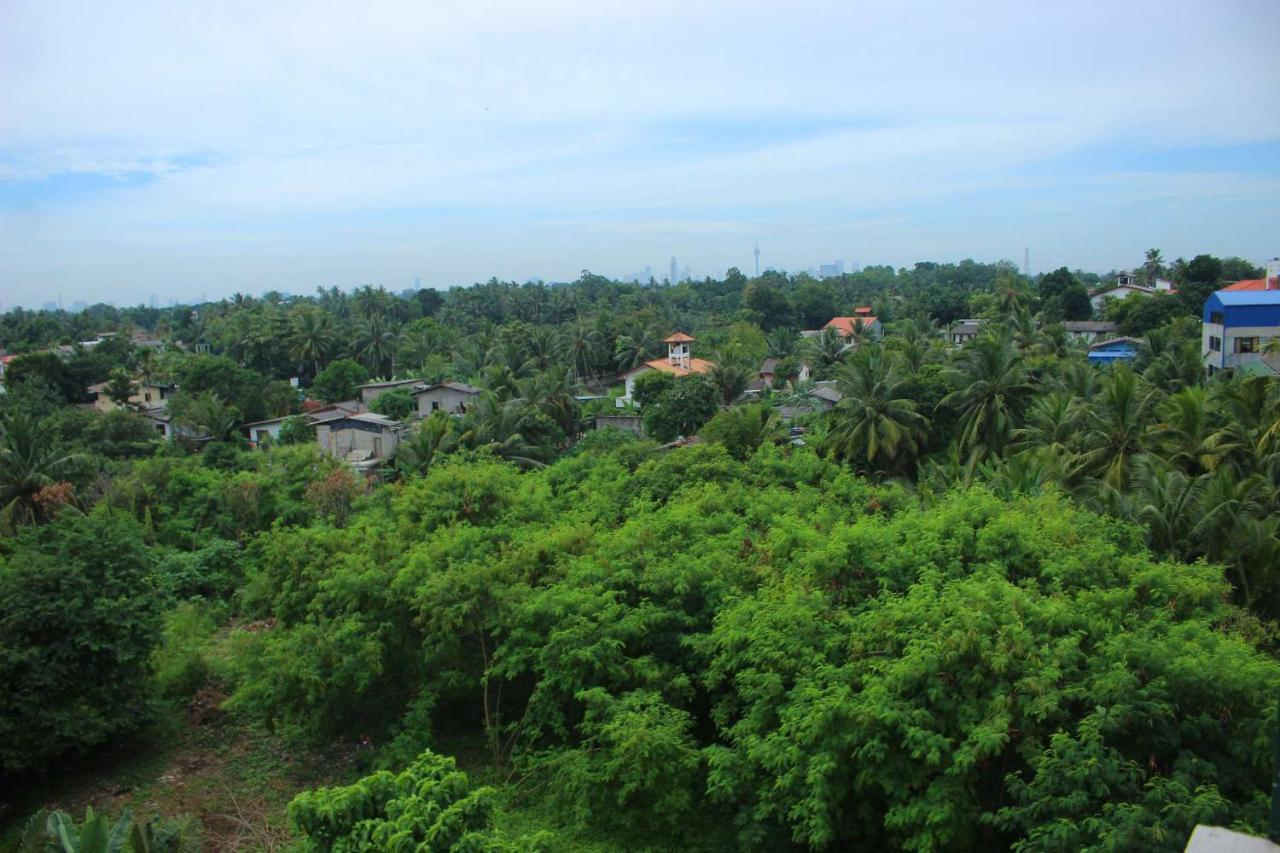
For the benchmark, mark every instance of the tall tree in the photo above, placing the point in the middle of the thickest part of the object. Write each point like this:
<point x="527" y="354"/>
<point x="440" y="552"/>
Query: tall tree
<point x="875" y="426"/>
<point x="991" y="385"/>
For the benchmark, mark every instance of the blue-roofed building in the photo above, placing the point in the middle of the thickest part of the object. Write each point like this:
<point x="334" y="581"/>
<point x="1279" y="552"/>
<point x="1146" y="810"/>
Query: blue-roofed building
<point x="1237" y="325"/>
<point x="1113" y="350"/>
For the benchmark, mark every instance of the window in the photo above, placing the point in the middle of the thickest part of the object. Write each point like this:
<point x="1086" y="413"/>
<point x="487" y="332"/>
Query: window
<point x="1246" y="344"/>
<point x="1215" y="317"/>
<point x="1215" y="343"/>
<point x="435" y="405"/>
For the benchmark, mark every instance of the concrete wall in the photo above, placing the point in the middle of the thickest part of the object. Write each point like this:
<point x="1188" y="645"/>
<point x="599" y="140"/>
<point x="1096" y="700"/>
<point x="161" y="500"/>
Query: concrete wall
<point x="1228" y="357"/>
<point x="271" y="430"/>
<point x="368" y="395"/>
<point x="628" y="423"/>
<point x="342" y="437"/>
<point x="447" y="400"/>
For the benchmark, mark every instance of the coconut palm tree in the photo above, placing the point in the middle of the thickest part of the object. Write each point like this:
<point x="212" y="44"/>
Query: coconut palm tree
<point x="912" y="342"/>
<point x="375" y="344"/>
<point x="1187" y="433"/>
<point x="990" y="387"/>
<point x="824" y="350"/>
<point x="549" y="393"/>
<point x="495" y="427"/>
<point x="875" y="425"/>
<point x="423" y="447"/>
<point x="731" y="376"/>
<point x="1167" y="501"/>
<point x="209" y="417"/>
<point x="1115" y="429"/>
<point x="1022" y="329"/>
<point x="1178" y="366"/>
<point x="29" y="462"/>
<point x="311" y="338"/>
<point x="799" y="396"/>
<point x="1052" y="422"/>
<point x="640" y="344"/>
<point x="582" y="346"/>
<point x="781" y="343"/>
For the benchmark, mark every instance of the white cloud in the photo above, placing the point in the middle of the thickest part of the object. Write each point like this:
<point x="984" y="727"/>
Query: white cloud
<point x="646" y="121"/>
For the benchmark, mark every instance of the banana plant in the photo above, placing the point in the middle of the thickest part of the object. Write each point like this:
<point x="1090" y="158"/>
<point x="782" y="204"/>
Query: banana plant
<point x="95" y="835"/>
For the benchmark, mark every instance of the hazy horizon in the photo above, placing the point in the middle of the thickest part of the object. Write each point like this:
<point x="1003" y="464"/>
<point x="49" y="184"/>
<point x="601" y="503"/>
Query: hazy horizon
<point x="215" y="148"/>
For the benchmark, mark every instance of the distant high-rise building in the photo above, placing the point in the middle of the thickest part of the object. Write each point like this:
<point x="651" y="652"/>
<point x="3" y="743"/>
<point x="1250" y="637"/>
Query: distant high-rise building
<point x="417" y="283"/>
<point x="49" y="306"/>
<point x="79" y="305"/>
<point x="831" y="270"/>
<point x="757" y="260"/>
<point x="686" y="274"/>
<point x="155" y="300"/>
<point x="673" y="271"/>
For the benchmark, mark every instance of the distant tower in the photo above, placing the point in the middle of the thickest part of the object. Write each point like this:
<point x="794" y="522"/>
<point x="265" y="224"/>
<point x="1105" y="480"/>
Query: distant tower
<point x="1026" y="262"/>
<point x="673" y="270"/>
<point x="757" y="260"/>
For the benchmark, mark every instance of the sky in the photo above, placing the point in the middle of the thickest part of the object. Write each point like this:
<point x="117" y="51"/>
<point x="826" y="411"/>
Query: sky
<point x="206" y="148"/>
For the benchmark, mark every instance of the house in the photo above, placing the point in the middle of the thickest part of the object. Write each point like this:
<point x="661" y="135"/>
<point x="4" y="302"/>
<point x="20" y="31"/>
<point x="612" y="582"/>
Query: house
<point x="261" y="432"/>
<point x="1127" y="285"/>
<point x="862" y="317"/>
<point x="146" y="396"/>
<point x="5" y="361"/>
<point x="963" y="331"/>
<point x="827" y="395"/>
<point x="1090" y="330"/>
<point x="679" y="362"/>
<point x="362" y="439"/>
<point x="318" y="411"/>
<point x="1112" y="350"/>
<point x="451" y="397"/>
<point x="1271" y="280"/>
<point x="1236" y="326"/>
<point x="373" y="390"/>
<point x="767" y="375"/>
<point x="823" y="398"/>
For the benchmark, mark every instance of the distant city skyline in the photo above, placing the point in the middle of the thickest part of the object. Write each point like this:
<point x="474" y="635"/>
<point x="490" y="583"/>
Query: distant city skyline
<point x="191" y="148"/>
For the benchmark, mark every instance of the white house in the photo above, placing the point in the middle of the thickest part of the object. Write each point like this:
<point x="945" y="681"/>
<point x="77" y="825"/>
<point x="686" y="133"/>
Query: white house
<point x="1237" y="326"/>
<point x="679" y="362"/>
<point x="1127" y="285"/>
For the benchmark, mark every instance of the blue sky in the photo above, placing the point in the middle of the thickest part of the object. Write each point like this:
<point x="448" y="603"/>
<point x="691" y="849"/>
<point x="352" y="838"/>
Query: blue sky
<point x="207" y="148"/>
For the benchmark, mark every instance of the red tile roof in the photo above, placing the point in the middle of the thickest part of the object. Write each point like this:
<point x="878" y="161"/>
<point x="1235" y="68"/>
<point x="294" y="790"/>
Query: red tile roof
<point x="678" y="338"/>
<point x="844" y="325"/>
<point x="1248" y="284"/>
<point x="696" y="365"/>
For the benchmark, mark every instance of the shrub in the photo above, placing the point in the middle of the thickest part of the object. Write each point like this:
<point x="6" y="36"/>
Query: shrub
<point x="79" y="618"/>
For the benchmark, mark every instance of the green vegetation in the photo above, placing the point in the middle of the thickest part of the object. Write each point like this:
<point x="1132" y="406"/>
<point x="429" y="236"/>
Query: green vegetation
<point x="995" y="597"/>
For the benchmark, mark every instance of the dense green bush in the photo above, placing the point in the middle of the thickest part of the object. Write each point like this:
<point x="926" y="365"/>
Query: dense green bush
<point x="780" y="642"/>
<point x="79" y="616"/>
<point x="430" y="806"/>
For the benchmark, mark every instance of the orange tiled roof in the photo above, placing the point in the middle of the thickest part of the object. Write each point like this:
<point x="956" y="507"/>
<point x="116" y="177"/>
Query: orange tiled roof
<point x="696" y="365"/>
<point x="678" y="338"/>
<point x="1248" y="284"/>
<point x="845" y="324"/>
